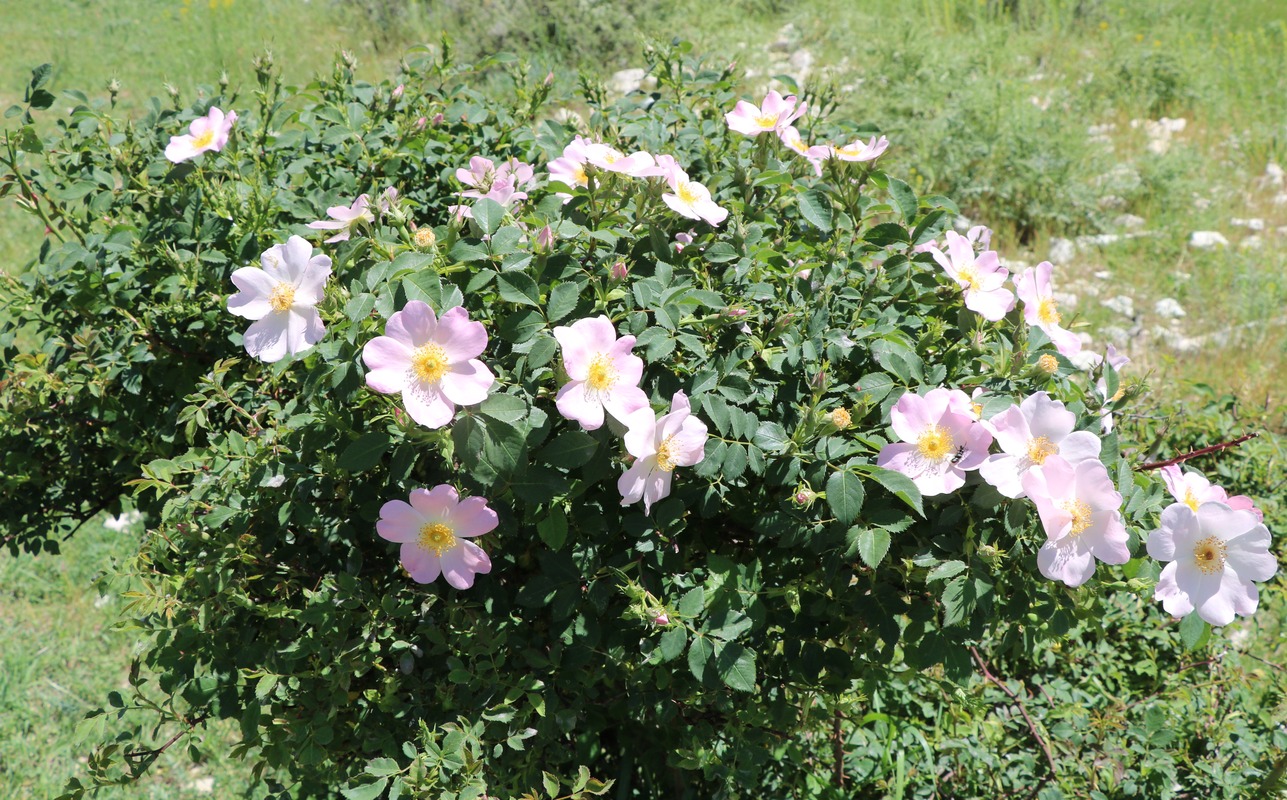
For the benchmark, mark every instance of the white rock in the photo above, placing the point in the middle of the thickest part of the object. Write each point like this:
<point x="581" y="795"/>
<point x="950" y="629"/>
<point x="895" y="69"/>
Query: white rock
<point x="1252" y="242"/>
<point x="1173" y="125"/>
<point x="1130" y="222"/>
<point x="1112" y="202"/>
<point x="1098" y="240"/>
<point x="1168" y="307"/>
<point x="1121" y="304"/>
<point x="1180" y="343"/>
<point x="787" y="37"/>
<point x="1181" y="276"/>
<point x="1253" y="224"/>
<point x="627" y="80"/>
<point x="1101" y="130"/>
<point x="202" y="785"/>
<point x="1062" y="251"/>
<point x="1274" y="175"/>
<point x="1205" y="240"/>
<point x="1103" y="275"/>
<point x="1115" y="334"/>
<point x="1159" y="146"/>
<point x="802" y="60"/>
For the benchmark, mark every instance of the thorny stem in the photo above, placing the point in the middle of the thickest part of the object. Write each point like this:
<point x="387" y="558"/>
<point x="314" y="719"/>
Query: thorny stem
<point x="1195" y="453"/>
<point x="1050" y="758"/>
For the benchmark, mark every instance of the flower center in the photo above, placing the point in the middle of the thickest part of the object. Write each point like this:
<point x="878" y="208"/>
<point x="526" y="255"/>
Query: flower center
<point x="851" y="150"/>
<point x="429" y="362"/>
<point x="580" y="177"/>
<point x="1041" y="448"/>
<point x="1209" y="555"/>
<point x="1190" y="500"/>
<point x="283" y="297"/>
<point x="437" y="537"/>
<point x="687" y="194"/>
<point x="767" y="121"/>
<point x="602" y="374"/>
<point x="612" y="157"/>
<point x="970" y="277"/>
<point x="1080" y="513"/>
<point x="1048" y="311"/>
<point x="204" y="140"/>
<point x="935" y="444"/>
<point x="665" y="458"/>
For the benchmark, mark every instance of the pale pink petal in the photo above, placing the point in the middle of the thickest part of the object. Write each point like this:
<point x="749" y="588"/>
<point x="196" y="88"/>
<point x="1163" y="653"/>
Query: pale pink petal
<point x="462" y="562"/>
<point x="436" y="503"/>
<point x="656" y="487"/>
<point x="266" y="339"/>
<point x="574" y="403"/>
<point x="426" y="405"/>
<point x="461" y="339"/>
<point x="256" y="286"/>
<point x="631" y="483"/>
<point x="388" y="361"/>
<point x="1065" y="563"/>
<point x="304" y="329"/>
<point x="621" y="401"/>
<point x="467" y="384"/>
<point x="422" y="565"/>
<point x="399" y="522"/>
<point x="641" y="434"/>
<point x="472" y="517"/>
<point x="414" y="325"/>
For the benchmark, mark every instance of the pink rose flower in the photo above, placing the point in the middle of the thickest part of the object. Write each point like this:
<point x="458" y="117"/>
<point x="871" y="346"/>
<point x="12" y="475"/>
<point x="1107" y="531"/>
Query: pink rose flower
<point x="815" y="154"/>
<point x="431" y="360"/>
<point x="1037" y="429"/>
<point x="1215" y="554"/>
<point x="858" y="151"/>
<point x="345" y="218"/>
<point x="434" y="529"/>
<point x="1080" y="510"/>
<point x="1041" y="310"/>
<point x="206" y="133"/>
<point x="1193" y="489"/>
<point x="774" y="114"/>
<point x="982" y="279"/>
<point x="604" y="373"/>
<point x="693" y="200"/>
<point x="282" y="298"/>
<point x="659" y="444"/>
<point x="941" y="440"/>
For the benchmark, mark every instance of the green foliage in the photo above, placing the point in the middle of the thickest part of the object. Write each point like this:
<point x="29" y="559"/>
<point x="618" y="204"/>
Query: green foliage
<point x="746" y="631"/>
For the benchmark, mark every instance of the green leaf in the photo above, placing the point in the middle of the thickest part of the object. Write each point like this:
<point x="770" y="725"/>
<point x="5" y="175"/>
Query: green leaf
<point x="505" y="408"/>
<point x="570" y="449"/>
<point x="905" y="198"/>
<point x="692" y="603"/>
<point x="364" y="453"/>
<point x="504" y="446"/>
<point x="699" y="655"/>
<point x="553" y="529"/>
<point x="885" y="234"/>
<point x="368" y="791"/>
<point x="488" y="214"/>
<point x="845" y="494"/>
<point x="359" y="306"/>
<point x="736" y="667"/>
<point x="550" y="784"/>
<point x="770" y="437"/>
<point x="672" y="642"/>
<point x="815" y="206"/>
<point x="898" y="484"/>
<point x="382" y="767"/>
<point x="948" y="569"/>
<point x="871" y="544"/>
<point x="721" y="252"/>
<point x="518" y="287"/>
<point x="41" y="99"/>
<point x="1194" y="631"/>
<point x="563" y="300"/>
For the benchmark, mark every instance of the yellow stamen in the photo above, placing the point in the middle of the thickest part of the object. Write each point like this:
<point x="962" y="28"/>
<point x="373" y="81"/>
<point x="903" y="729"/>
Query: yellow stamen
<point x="665" y="459"/>
<point x="437" y="537"/>
<point x="935" y="444"/>
<point x="430" y="363"/>
<point x="602" y="374"/>
<point x="1080" y="512"/>
<point x="1209" y="555"/>
<point x="767" y="121"/>
<point x="1190" y="500"/>
<point x="687" y="194"/>
<point x="1048" y="311"/>
<point x="840" y="418"/>
<point x="977" y="410"/>
<point x="1048" y="364"/>
<point x="204" y="140"/>
<point x="580" y="177"/>
<point x="283" y="297"/>
<point x="1041" y="448"/>
<point x="969" y="276"/>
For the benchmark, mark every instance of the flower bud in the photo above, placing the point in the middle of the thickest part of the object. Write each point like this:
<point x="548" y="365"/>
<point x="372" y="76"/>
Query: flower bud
<point x="420" y="123"/>
<point x="397" y="92"/>
<point x="735" y="312"/>
<point x="661" y="619"/>
<point x="804" y="496"/>
<point x="619" y="271"/>
<point x="349" y="60"/>
<point x="549" y="77"/>
<point x="437" y="119"/>
<point x="545" y="239"/>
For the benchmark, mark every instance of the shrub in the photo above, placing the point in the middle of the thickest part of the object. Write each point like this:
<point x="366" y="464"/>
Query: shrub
<point x="773" y="617"/>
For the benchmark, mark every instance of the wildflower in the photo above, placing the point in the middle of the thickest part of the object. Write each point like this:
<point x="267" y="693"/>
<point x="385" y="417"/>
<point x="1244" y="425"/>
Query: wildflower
<point x="431" y="360"/>
<point x="345" y="218"/>
<point x="505" y="182"/>
<point x="981" y="278"/>
<point x="204" y="134"/>
<point x="1041" y="310"/>
<point x="1079" y="508"/>
<point x="1029" y="433"/>
<point x="619" y="271"/>
<point x="941" y="440"/>
<point x="659" y="444"/>
<point x="816" y="154"/>
<point x="774" y="114"/>
<point x="1193" y="489"/>
<point x="434" y="529"/>
<point x="1215" y="554"/>
<point x="545" y="239"/>
<point x="858" y="151"/>
<point x="693" y="200"/>
<point x="282" y="298"/>
<point x="604" y="373"/>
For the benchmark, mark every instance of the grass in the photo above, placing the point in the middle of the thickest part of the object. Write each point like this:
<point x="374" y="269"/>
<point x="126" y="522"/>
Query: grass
<point x="60" y="660"/>
<point x="987" y="106"/>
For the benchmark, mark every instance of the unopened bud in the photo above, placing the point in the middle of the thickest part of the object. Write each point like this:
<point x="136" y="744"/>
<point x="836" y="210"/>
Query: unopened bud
<point x="804" y="497"/>
<point x="397" y="92"/>
<point x="736" y="312"/>
<point x="171" y="90"/>
<point x="223" y="81"/>
<point x="437" y="119"/>
<point x="549" y="77"/>
<point x="619" y="271"/>
<point x="348" y="59"/>
<point x="545" y="239"/>
<point x="113" y="87"/>
<point x="661" y="619"/>
<point x="420" y="123"/>
<point x="425" y="238"/>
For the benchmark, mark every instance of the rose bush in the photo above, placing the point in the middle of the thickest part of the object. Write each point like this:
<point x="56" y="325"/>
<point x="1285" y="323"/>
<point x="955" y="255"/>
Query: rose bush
<point x="750" y="327"/>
